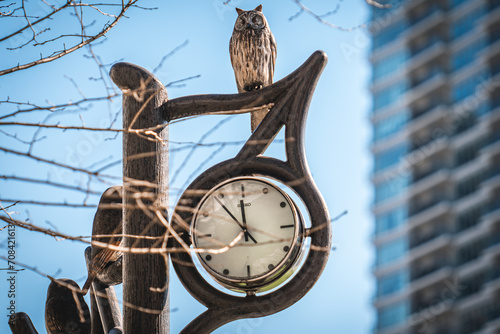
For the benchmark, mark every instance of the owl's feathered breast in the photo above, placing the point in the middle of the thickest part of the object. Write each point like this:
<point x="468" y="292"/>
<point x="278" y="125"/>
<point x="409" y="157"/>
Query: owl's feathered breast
<point x="253" y="55"/>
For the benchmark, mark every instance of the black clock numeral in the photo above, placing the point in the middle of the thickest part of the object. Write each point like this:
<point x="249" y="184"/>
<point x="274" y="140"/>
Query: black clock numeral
<point x="226" y="272"/>
<point x="286" y="248"/>
<point x="287" y="226"/>
<point x="205" y="236"/>
<point x="265" y="190"/>
<point x="282" y="204"/>
<point x="248" y="271"/>
<point x="243" y="191"/>
<point x="208" y="257"/>
<point x="271" y="267"/>
<point x="221" y="195"/>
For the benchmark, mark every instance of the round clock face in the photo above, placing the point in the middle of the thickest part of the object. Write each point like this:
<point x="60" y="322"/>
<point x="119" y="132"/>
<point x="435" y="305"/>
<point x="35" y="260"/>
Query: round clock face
<point x="246" y="230"/>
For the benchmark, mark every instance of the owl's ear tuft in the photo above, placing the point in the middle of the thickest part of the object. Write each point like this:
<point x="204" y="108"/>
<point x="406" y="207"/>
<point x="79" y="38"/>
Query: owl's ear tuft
<point x="258" y="8"/>
<point x="239" y="11"/>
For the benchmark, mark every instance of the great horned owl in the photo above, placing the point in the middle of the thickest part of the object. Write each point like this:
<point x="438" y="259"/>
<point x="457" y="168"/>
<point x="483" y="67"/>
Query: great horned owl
<point x="253" y="55"/>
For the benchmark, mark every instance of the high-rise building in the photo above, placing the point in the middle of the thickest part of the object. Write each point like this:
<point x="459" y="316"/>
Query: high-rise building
<point x="436" y="176"/>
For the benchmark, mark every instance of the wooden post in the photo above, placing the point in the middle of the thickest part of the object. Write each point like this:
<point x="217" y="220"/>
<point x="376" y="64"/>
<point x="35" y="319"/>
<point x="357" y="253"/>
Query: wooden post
<point x="145" y="178"/>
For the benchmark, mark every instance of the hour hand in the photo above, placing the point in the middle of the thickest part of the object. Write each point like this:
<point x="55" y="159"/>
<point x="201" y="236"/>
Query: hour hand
<point x="243" y="218"/>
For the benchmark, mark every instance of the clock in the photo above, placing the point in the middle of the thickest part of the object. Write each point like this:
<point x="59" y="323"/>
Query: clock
<point x="248" y="234"/>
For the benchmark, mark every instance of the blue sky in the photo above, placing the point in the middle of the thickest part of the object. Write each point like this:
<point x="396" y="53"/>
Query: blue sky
<point x="337" y="139"/>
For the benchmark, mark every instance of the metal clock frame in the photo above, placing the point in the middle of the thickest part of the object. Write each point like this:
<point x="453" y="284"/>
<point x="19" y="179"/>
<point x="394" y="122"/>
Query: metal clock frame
<point x="289" y="101"/>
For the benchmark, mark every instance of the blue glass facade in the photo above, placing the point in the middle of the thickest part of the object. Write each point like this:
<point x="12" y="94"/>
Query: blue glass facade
<point x="393" y="315"/>
<point x="391" y="251"/>
<point x="392" y="283"/>
<point x="390" y="125"/>
<point x="390" y="220"/>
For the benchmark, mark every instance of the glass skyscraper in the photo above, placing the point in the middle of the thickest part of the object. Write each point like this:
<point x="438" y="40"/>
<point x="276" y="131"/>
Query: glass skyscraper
<point x="436" y="171"/>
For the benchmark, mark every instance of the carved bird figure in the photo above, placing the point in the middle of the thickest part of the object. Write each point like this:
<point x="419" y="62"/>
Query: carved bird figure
<point x="66" y="312"/>
<point x="253" y="55"/>
<point x="107" y="228"/>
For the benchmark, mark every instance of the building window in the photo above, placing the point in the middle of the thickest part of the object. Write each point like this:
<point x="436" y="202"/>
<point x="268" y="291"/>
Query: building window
<point x="391" y="251"/>
<point x="390" y="157"/>
<point x="475" y="319"/>
<point x="471" y="251"/>
<point x="467" y="22"/>
<point x="467" y="54"/>
<point x="467" y="86"/>
<point x="472" y="284"/>
<point x="389" y="95"/>
<point x="470" y="218"/>
<point x="468" y="153"/>
<point x="392" y="283"/>
<point x="388" y="33"/>
<point x="469" y="185"/>
<point x="455" y="3"/>
<point x="393" y="315"/>
<point x="389" y="65"/>
<point x="393" y="187"/>
<point x="390" y="125"/>
<point x="390" y="220"/>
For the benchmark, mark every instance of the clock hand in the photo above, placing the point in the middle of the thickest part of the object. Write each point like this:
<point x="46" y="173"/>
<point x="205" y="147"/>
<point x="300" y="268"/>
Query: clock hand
<point x="236" y="220"/>
<point x="243" y="218"/>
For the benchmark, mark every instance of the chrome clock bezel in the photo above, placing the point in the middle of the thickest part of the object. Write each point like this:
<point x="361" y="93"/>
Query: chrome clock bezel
<point x="281" y="271"/>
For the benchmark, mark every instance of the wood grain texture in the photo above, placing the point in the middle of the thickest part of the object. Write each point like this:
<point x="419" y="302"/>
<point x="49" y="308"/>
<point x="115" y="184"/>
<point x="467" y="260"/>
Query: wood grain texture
<point x="143" y="94"/>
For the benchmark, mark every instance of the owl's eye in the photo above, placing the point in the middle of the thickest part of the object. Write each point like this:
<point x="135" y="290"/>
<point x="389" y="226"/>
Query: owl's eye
<point x="257" y="20"/>
<point x="240" y="23"/>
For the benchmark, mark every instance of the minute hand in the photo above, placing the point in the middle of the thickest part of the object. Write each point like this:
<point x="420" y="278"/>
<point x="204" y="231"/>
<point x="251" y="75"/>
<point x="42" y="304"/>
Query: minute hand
<point x="245" y="230"/>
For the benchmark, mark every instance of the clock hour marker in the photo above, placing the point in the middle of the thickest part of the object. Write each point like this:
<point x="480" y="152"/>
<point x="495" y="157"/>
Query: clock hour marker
<point x="242" y="191"/>
<point x="287" y="226"/>
<point x="248" y="271"/>
<point x="265" y="190"/>
<point x="286" y="248"/>
<point x="205" y="236"/>
<point x="271" y="267"/>
<point x="208" y="257"/>
<point x="282" y="204"/>
<point x="226" y="272"/>
<point x="221" y="195"/>
<point x="205" y="213"/>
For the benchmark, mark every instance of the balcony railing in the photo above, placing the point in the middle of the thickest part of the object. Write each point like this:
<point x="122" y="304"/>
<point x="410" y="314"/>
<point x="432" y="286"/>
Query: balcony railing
<point x="494" y="205"/>
<point x="493" y="173"/>
<point x="431" y="10"/>
<point x="418" y="113"/>
<point x="419" y="50"/>
<point x="434" y="73"/>
<point x="416" y="209"/>
<point x="420" y="176"/>
<point x="420" y="241"/>
<point x="427" y="271"/>
<point x="494" y="4"/>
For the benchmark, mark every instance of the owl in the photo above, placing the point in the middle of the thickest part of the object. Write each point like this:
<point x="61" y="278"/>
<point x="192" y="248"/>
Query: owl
<point x="253" y="54"/>
<point x="107" y="224"/>
<point x="66" y="312"/>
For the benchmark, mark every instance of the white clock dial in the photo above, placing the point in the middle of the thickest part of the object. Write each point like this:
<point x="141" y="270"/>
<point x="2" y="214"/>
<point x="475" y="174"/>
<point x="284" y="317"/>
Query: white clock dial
<point x="263" y="218"/>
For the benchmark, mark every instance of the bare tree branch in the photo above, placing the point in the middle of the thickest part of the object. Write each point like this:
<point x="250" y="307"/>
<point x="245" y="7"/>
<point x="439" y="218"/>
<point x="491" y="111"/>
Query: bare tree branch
<point x="65" y="51"/>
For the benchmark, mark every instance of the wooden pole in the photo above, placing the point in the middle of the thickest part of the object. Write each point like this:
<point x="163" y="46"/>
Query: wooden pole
<point x="145" y="178"/>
